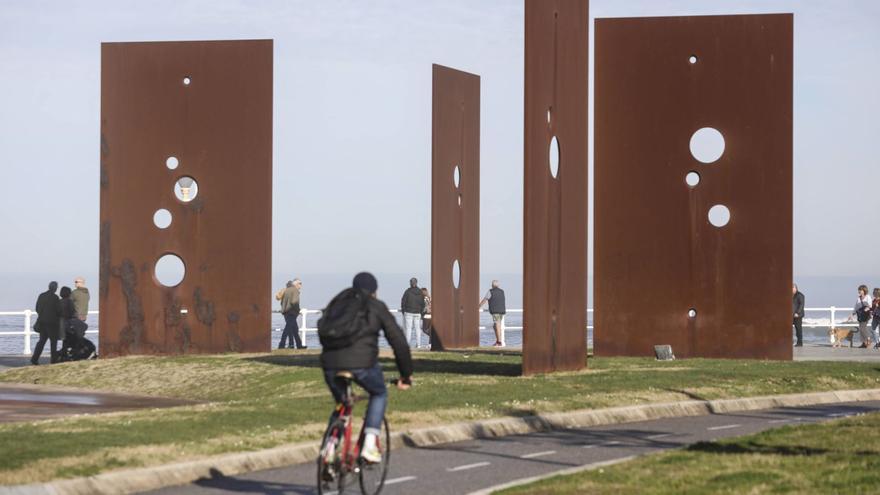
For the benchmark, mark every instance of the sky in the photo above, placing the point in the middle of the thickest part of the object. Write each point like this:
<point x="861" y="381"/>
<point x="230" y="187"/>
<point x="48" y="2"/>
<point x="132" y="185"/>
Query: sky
<point x="352" y="126"/>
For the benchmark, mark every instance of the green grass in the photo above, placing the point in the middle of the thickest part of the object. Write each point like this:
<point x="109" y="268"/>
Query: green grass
<point x="841" y="456"/>
<point x="260" y="401"/>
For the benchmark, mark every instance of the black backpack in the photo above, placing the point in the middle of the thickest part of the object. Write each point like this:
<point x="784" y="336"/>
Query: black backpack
<point x="344" y="319"/>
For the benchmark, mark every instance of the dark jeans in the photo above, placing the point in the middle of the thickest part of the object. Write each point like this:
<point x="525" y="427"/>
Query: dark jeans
<point x="373" y="381"/>
<point x="53" y="351"/>
<point x="291" y="331"/>
<point x="799" y="330"/>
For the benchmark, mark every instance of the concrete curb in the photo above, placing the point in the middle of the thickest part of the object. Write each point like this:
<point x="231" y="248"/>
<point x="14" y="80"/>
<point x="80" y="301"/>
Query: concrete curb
<point x="151" y="478"/>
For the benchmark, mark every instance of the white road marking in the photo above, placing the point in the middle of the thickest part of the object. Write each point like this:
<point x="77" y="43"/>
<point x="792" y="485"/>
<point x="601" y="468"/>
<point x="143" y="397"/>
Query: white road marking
<point x="399" y="480"/>
<point x="725" y="427"/>
<point x="661" y="435"/>
<point x="468" y="466"/>
<point x="838" y="415"/>
<point x="611" y="443"/>
<point x="537" y="454"/>
<point x="591" y="446"/>
<point x="774" y="421"/>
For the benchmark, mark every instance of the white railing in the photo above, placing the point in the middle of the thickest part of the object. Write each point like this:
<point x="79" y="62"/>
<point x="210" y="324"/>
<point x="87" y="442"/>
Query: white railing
<point x="305" y="314"/>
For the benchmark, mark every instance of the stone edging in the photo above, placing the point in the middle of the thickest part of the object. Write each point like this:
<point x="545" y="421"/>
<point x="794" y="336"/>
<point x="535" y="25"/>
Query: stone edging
<point x="151" y="478"/>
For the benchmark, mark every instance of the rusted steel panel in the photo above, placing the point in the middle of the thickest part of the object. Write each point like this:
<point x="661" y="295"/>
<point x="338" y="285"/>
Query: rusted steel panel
<point x="656" y="254"/>
<point x="455" y="209"/>
<point x="555" y="216"/>
<point x="219" y="127"/>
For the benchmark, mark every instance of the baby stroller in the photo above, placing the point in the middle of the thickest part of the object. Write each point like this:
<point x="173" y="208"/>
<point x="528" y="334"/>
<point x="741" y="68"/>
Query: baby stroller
<point x="76" y="346"/>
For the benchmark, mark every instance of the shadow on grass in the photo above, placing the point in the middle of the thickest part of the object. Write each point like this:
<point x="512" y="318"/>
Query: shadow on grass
<point x="421" y="365"/>
<point x="758" y="448"/>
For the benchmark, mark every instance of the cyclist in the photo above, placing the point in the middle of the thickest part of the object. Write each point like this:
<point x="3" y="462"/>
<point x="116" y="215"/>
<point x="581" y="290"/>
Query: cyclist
<point x="349" y="331"/>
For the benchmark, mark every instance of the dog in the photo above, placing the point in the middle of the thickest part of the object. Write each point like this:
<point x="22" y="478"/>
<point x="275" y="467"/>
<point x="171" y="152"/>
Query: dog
<point x="838" y="335"/>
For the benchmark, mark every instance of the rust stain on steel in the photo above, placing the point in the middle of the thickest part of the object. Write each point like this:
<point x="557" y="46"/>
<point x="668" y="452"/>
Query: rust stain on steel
<point x="656" y="254"/>
<point x="555" y="216"/>
<point x="455" y="211"/>
<point x="219" y="127"/>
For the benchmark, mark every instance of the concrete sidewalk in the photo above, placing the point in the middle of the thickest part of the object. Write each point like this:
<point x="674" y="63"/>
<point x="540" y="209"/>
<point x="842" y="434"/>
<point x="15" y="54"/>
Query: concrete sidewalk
<point x="824" y="352"/>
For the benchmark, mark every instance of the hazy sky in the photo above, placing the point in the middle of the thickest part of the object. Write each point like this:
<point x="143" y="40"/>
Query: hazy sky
<point x="353" y="123"/>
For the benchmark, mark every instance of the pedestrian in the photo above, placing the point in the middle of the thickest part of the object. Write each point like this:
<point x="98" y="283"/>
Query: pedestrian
<point x="875" y="312"/>
<point x="797" y="308"/>
<point x="290" y="309"/>
<point x="497" y="308"/>
<point x="67" y="320"/>
<point x="426" y="314"/>
<point x="48" y="306"/>
<point x="412" y="305"/>
<point x="80" y="298"/>
<point x="862" y="313"/>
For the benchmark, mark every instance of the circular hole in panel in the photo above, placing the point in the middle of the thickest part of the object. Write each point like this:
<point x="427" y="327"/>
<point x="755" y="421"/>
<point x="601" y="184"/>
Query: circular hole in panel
<point x="172" y="162"/>
<point x="186" y="189"/>
<point x="693" y="59"/>
<point x="162" y="218"/>
<point x="692" y="178"/>
<point x="692" y="313"/>
<point x="719" y="215"/>
<point x="456" y="274"/>
<point x="169" y="270"/>
<point x="456" y="177"/>
<point x="187" y="81"/>
<point x="707" y="145"/>
<point x="554" y="157"/>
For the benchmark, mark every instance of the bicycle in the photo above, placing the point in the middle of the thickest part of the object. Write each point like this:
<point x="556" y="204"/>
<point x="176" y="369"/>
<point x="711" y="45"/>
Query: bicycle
<point x="339" y="461"/>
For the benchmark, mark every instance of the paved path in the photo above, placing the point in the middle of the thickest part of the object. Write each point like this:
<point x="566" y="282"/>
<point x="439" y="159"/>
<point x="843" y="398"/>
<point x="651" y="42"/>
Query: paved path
<point x="464" y="467"/>
<point x="824" y="352"/>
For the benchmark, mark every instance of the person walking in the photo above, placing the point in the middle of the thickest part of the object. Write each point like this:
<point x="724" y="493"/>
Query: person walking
<point x="875" y="313"/>
<point x="412" y="305"/>
<point x="862" y="313"/>
<point x="797" y="309"/>
<point x="290" y="309"/>
<point x="47" y="325"/>
<point x="80" y="298"/>
<point x="497" y="308"/>
<point x="67" y="319"/>
<point x="426" y="315"/>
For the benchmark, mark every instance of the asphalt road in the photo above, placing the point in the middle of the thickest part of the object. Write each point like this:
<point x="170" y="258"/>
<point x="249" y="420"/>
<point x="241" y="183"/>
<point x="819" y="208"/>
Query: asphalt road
<point x="465" y="467"/>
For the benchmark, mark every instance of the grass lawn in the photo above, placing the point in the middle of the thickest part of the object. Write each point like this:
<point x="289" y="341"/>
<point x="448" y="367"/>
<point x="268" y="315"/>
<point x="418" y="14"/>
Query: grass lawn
<point x="841" y="456"/>
<point x="264" y="400"/>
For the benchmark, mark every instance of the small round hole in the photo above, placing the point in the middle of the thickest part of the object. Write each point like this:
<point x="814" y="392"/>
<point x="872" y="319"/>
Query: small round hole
<point x="162" y="218"/>
<point x="554" y="157"/>
<point x="719" y="215"/>
<point x="456" y="274"/>
<point x="169" y="270"/>
<point x="459" y="200"/>
<point x="456" y="177"/>
<point x="692" y="59"/>
<point x="692" y="178"/>
<point x="172" y="162"/>
<point x="707" y="145"/>
<point x="549" y="113"/>
<point x="187" y="81"/>
<point x="692" y="313"/>
<point x="186" y="189"/>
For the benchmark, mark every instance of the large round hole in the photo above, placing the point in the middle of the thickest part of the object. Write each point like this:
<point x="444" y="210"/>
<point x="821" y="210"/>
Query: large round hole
<point x="187" y="81"/>
<point x="456" y="274"/>
<point x="707" y="145"/>
<point x="692" y="59"/>
<point x="162" y="218"/>
<point x="186" y="189"/>
<point x="692" y="178"/>
<point x="719" y="215"/>
<point x="456" y="176"/>
<point x="554" y="157"/>
<point x="172" y="162"/>
<point x="170" y="270"/>
<point x="692" y="313"/>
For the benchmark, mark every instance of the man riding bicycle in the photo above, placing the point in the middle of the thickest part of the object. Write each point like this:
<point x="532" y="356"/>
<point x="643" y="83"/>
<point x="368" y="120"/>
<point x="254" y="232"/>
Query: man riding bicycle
<point x="349" y="333"/>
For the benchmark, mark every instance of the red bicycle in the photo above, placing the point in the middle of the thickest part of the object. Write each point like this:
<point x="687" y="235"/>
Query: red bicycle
<point x="339" y="460"/>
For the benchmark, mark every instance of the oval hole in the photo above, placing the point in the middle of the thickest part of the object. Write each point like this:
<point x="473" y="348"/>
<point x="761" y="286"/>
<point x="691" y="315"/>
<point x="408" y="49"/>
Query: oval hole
<point x="719" y="215"/>
<point x="187" y="81"/>
<point x="456" y="177"/>
<point x="707" y="145"/>
<point x="692" y="59"/>
<point x="169" y="270"/>
<point x="549" y="110"/>
<point x="692" y="313"/>
<point x="459" y="200"/>
<point x="554" y="157"/>
<point x="456" y="274"/>
<point x="172" y="162"/>
<point x="692" y="178"/>
<point x="162" y="218"/>
<point x="186" y="189"/>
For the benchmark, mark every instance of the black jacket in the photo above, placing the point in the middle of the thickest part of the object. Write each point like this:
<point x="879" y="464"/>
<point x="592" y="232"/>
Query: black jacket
<point x="797" y="304"/>
<point x="364" y="351"/>
<point x="412" y="301"/>
<point x="48" y="312"/>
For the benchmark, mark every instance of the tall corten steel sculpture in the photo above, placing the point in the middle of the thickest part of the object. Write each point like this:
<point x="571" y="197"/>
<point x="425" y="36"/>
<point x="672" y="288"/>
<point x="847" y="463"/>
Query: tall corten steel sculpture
<point x="664" y="273"/>
<point x="455" y="208"/>
<point x="555" y="230"/>
<point x="186" y="127"/>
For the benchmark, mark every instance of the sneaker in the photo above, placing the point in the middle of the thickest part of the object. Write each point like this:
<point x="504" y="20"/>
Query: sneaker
<point x="303" y="347"/>
<point x="371" y="455"/>
<point x="497" y="344"/>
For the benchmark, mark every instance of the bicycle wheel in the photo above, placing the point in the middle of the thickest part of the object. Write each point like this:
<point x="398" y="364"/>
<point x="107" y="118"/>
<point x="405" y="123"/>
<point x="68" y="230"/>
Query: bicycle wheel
<point x="372" y="476"/>
<point x="329" y="467"/>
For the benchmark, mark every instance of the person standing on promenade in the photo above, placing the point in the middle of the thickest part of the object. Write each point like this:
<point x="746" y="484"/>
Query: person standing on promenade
<point x="875" y="313"/>
<point x="48" y="312"/>
<point x="797" y="308"/>
<point x="426" y="315"/>
<point x="412" y="305"/>
<point x="80" y="298"/>
<point x="497" y="308"/>
<point x="290" y="309"/>
<point x="862" y="313"/>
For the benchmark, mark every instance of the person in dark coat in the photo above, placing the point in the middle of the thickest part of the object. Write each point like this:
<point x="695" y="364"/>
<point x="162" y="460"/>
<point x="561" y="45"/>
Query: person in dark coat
<point x="47" y="323"/>
<point x="797" y="309"/>
<point x="412" y="305"/>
